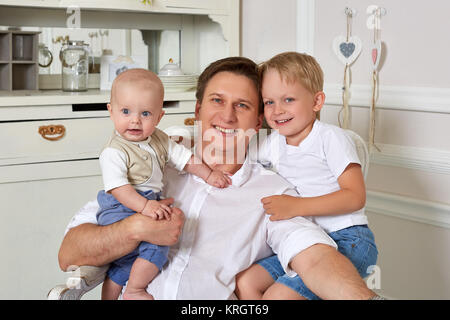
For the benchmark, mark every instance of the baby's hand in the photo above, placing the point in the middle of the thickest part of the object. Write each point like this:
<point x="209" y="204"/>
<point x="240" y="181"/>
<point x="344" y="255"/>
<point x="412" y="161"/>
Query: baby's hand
<point x="156" y="210"/>
<point x="218" y="179"/>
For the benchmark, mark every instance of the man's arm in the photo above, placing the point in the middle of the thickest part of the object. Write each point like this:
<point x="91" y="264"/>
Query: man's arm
<point x="90" y="244"/>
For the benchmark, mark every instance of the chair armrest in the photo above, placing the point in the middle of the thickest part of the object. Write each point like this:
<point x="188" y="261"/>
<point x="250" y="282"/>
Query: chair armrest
<point x="81" y="280"/>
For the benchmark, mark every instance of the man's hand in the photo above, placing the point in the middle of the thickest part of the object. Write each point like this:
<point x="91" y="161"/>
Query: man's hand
<point x="160" y="232"/>
<point x="282" y="207"/>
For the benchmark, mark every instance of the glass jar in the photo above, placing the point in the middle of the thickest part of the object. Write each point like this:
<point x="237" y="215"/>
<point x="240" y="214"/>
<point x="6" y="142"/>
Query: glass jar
<point x="74" y="57"/>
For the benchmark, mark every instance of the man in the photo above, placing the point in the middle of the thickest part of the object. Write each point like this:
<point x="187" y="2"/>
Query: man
<point x="225" y="230"/>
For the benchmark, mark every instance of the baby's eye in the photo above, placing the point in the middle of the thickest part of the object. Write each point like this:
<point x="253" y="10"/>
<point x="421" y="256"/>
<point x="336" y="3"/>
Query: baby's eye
<point x="125" y="111"/>
<point x="289" y="99"/>
<point x="146" y="113"/>
<point x="268" y="102"/>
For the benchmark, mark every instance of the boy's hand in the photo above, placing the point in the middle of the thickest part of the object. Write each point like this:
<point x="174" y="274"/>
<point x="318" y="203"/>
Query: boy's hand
<point x="156" y="210"/>
<point x="218" y="179"/>
<point x="281" y="207"/>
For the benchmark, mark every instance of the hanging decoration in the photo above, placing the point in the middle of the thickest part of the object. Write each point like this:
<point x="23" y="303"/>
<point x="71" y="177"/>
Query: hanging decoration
<point x="347" y="49"/>
<point x="374" y="22"/>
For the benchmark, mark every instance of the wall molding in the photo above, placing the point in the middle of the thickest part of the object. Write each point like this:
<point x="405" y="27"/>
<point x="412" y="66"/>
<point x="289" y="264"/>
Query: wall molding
<point x="422" y="99"/>
<point x="429" y="212"/>
<point x="305" y="26"/>
<point x="425" y="159"/>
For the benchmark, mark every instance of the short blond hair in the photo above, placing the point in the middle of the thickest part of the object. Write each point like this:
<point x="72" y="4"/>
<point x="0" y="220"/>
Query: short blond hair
<point x="294" y="66"/>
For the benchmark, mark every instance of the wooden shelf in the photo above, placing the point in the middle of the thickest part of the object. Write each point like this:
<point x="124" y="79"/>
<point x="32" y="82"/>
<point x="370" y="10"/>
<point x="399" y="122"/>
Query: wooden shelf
<point x="18" y="60"/>
<point x="158" y="6"/>
<point x="58" y="97"/>
<point x="22" y="62"/>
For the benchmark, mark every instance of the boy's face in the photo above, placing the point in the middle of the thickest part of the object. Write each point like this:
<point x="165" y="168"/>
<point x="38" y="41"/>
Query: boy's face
<point x="289" y="107"/>
<point x="135" y="111"/>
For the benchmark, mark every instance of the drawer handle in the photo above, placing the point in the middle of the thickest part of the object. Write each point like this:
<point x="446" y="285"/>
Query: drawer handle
<point x="52" y="132"/>
<point x="189" y="121"/>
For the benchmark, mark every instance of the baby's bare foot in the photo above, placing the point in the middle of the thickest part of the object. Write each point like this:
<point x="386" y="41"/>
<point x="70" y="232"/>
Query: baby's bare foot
<point x="137" y="294"/>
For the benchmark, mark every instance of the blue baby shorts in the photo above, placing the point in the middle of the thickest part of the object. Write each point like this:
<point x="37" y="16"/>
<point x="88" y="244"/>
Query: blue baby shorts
<point x="112" y="211"/>
<point x="357" y="243"/>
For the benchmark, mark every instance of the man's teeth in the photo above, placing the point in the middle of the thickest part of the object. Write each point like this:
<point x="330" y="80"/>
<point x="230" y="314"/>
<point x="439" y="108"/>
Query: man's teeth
<point x="229" y="131"/>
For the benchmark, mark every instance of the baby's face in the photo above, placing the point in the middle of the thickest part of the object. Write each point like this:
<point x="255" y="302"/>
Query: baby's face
<point x="288" y="107"/>
<point x="135" y="111"/>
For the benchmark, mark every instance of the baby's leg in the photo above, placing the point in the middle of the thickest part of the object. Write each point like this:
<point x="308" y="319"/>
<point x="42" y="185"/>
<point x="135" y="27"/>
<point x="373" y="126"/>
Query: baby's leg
<point x="252" y="283"/>
<point x="142" y="273"/>
<point x="110" y="290"/>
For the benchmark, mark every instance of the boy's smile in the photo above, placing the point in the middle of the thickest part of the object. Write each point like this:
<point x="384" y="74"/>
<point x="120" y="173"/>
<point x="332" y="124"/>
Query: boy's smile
<point x="289" y="107"/>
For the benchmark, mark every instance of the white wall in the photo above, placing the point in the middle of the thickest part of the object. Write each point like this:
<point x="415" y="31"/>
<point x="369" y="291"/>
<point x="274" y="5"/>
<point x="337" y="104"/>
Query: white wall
<point x="409" y="182"/>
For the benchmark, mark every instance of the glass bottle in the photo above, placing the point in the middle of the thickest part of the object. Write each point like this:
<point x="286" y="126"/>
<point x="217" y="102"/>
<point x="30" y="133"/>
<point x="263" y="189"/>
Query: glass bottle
<point x="74" y="57"/>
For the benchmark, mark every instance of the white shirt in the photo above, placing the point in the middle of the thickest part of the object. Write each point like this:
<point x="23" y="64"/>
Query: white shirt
<point x="314" y="167"/>
<point x="113" y="164"/>
<point x="225" y="232"/>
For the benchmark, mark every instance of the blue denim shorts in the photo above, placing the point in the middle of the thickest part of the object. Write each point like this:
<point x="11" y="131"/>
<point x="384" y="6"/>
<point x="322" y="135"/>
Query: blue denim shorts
<point x="357" y="243"/>
<point x="112" y="211"/>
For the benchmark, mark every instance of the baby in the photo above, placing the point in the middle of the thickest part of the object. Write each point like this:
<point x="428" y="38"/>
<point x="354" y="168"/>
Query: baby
<point x="132" y="165"/>
<point x="321" y="161"/>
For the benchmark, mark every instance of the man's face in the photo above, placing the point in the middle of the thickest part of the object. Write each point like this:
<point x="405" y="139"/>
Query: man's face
<point x="228" y="113"/>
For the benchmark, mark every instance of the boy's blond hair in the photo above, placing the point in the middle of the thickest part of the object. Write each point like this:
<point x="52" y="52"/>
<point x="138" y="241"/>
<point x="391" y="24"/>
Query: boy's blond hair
<point x="295" y="66"/>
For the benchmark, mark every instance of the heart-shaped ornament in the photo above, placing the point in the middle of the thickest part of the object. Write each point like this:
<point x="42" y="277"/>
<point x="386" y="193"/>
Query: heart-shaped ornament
<point x="347" y="51"/>
<point x="376" y="54"/>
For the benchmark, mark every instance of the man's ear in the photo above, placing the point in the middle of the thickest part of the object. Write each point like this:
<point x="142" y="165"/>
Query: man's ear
<point x="197" y="109"/>
<point x="260" y="122"/>
<point x="319" y="100"/>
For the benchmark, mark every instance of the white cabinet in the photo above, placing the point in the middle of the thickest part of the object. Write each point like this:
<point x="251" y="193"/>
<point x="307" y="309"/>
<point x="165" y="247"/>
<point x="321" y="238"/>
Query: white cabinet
<point x="44" y="182"/>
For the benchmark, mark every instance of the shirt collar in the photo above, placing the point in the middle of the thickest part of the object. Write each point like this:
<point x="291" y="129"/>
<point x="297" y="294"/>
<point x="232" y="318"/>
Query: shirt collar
<point x="310" y="138"/>
<point x="239" y="177"/>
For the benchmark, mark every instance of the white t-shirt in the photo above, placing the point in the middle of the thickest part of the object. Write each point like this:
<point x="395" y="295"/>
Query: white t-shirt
<point x="314" y="167"/>
<point x="113" y="163"/>
<point x="225" y="232"/>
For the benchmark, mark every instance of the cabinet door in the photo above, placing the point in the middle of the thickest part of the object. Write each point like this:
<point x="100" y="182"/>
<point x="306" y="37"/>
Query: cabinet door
<point x="22" y="141"/>
<point x="34" y="217"/>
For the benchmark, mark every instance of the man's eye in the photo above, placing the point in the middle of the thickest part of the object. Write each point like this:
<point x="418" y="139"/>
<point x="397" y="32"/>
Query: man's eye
<point x="146" y="113"/>
<point x="217" y="100"/>
<point x="125" y="111"/>
<point x="242" y="105"/>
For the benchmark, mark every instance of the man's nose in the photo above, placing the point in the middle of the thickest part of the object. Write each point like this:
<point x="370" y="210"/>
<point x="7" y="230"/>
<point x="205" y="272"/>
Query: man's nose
<point x="229" y="113"/>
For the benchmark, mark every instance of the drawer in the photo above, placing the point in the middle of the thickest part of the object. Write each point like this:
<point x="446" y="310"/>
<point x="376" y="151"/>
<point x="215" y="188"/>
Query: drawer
<point x="82" y="139"/>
